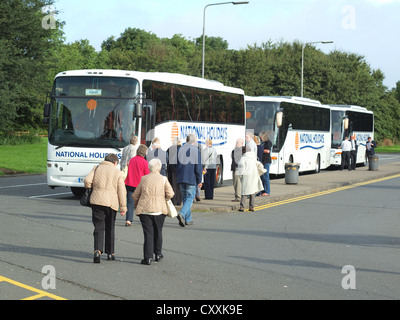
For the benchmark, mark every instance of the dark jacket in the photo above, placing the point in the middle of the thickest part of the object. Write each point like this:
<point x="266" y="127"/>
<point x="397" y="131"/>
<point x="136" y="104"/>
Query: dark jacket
<point x="267" y="156"/>
<point x="236" y="155"/>
<point x="189" y="169"/>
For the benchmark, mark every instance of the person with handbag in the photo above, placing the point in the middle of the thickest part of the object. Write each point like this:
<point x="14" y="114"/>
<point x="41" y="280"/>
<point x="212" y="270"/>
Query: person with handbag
<point x="249" y="176"/>
<point x="151" y="207"/>
<point x="108" y="196"/>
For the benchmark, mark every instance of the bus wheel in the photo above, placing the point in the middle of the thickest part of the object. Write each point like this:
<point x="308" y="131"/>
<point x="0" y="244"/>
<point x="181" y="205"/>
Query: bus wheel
<point x="78" y="192"/>
<point x="219" y="176"/>
<point x="318" y="165"/>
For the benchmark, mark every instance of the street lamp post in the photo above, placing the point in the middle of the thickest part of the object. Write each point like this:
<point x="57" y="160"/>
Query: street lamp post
<point x="302" y="61"/>
<point x="204" y="25"/>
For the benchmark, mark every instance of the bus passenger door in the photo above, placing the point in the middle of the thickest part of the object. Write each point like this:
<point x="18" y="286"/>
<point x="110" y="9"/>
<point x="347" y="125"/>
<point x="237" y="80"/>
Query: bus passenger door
<point x="148" y="122"/>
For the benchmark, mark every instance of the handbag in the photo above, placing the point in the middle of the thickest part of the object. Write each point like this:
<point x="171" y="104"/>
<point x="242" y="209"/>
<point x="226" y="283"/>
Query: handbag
<point x="172" y="213"/>
<point x="85" y="200"/>
<point x="260" y="168"/>
<point x="171" y="210"/>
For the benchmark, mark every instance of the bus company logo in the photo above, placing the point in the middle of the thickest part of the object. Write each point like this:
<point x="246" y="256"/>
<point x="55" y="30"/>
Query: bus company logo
<point x="174" y="131"/>
<point x="310" y="139"/>
<point x="297" y="141"/>
<point x="218" y="135"/>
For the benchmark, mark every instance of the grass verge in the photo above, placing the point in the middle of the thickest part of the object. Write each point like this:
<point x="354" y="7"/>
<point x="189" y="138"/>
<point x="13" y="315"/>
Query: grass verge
<point x="388" y="149"/>
<point x="26" y="158"/>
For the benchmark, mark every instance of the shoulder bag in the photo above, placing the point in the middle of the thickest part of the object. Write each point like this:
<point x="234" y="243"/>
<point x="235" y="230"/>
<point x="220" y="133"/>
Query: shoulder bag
<point x="172" y="213"/>
<point x="85" y="200"/>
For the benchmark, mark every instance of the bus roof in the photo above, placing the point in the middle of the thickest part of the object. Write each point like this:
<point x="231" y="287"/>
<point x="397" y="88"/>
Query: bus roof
<point x="297" y="100"/>
<point x="156" y="76"/>
<point x="349" y="107"/>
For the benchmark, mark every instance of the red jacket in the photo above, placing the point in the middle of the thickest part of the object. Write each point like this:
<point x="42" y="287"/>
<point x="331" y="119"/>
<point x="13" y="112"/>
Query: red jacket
<point x="138" y="167"/>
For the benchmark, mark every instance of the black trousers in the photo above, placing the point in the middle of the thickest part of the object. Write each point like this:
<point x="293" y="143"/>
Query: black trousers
<point x="152" y="230"/>
<point x="345" y="160"/>
<point x="353" y="157"/>
<point x="103" y="219"/>
<point x="209" y="183"/>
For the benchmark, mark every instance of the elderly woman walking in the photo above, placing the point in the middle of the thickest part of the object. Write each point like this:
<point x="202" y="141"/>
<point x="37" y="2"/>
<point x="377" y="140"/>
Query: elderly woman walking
<point x="250" y="179"/>
<point x="209" y="160"/>
<point x="138" y="167"/>
<point x="107" y="197"/>
<point x="149" y="198"/>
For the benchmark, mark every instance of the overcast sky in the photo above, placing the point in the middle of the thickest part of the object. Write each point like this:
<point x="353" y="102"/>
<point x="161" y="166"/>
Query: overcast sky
<point x="366" y="27"/>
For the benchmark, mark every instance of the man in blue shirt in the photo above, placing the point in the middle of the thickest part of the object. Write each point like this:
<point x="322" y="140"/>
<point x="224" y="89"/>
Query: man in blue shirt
<point x="188" y="176"/>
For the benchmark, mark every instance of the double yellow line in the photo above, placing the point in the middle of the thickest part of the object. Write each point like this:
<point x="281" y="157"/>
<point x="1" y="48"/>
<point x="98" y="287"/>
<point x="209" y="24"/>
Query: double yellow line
<point x="322" y="193"/>
<point x="39" y="293"/>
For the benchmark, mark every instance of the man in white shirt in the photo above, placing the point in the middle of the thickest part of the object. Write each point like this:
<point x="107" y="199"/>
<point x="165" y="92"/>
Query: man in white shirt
<point x="346" y="148"/>
<point x="353" y="152"/>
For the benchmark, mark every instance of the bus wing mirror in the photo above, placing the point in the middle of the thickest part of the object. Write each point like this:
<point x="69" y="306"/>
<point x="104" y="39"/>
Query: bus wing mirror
<point x="138" y="110"/>
<point x="279" y="118"/>
<point x="346" y="123"/>
<point x="46" y="111"/>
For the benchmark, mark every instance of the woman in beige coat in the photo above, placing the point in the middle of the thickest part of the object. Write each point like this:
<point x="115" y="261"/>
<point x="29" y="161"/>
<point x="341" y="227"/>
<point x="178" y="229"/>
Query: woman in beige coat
<point x="108" y="196"/>
<point x="149" y="198"/>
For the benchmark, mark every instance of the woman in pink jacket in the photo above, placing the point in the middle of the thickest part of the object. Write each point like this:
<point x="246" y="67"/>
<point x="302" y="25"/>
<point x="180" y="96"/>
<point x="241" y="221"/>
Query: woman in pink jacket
<point x="138" y="167"/>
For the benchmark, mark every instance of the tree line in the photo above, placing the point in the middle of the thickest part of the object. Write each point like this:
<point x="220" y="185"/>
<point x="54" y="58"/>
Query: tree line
<point x="32" y="54"/>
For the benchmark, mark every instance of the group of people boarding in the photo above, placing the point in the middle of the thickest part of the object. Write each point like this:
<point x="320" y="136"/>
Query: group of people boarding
<point x="151" y="175"/>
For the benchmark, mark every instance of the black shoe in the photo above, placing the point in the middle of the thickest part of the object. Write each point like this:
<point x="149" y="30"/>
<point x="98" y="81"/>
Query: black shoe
<point x="146" y="262"/>
<point x="198" y="198"/>
<point x="96" y="257"/>
<point x="110" y="257"/>
<point x="181" y="220"/>
<point x="251" y="209"/>
<point x="159" y="257"/>
<point x="241" y="209"/>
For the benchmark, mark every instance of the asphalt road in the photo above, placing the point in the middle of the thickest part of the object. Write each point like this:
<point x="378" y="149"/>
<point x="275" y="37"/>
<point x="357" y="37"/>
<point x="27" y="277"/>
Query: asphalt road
<point x="291" y="251"/>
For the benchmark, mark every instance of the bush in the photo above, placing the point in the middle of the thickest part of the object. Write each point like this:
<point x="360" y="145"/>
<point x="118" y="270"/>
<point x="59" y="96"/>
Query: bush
<point x="19" y="138"/>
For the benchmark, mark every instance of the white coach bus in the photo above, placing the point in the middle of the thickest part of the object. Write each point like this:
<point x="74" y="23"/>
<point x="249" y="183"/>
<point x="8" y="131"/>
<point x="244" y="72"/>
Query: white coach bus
<point x="299" y="129"/>
<point x="94" y="112"/>
<point x="349" y="120"/>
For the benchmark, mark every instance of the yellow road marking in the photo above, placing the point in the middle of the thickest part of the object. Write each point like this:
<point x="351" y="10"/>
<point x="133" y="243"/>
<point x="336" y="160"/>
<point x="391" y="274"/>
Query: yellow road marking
<point x="322" y="193"/>
<point x="40" y="293"/>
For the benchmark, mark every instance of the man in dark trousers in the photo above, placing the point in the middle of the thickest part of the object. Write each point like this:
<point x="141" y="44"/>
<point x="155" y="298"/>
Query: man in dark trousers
<point x="371" y="145"/>
<point x="346" y="148"/>
<point x="353" y="152"/>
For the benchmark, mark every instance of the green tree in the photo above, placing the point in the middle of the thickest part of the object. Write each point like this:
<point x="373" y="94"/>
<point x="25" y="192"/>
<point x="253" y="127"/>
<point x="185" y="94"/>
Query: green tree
<point x="25" y="46"/>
